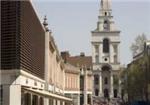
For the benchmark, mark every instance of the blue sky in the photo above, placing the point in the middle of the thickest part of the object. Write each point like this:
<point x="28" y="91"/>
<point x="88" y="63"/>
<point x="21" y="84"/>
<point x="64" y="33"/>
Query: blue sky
<point x="72" y="21"/>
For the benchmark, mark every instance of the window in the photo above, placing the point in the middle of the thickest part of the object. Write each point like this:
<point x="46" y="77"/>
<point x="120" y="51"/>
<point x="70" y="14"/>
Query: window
<point x="42" y="101"/>
<point x="89" y="99"/>
<point x="106" y="46"/>
<point x="25" y="98"/>
<point x="81" y="99"/>
<point x="106" y="94"/>
<point x="96" y="79"/>
<point x="81" y="82"/>
<point x="106" y="80"/>
<point x="34" y="100"/>
<point x="115" y="93"/>
<point x="105" y="59"/>
<point x="96" y="92"/>
<point x="106" y="25"/>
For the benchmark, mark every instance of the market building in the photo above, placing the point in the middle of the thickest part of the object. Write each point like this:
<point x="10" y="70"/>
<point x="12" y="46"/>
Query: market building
<point x="31" y="67"/>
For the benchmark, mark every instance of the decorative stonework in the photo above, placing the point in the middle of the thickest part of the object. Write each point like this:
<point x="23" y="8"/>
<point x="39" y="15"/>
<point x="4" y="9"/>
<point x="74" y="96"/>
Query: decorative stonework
<point x="105" y="58"/>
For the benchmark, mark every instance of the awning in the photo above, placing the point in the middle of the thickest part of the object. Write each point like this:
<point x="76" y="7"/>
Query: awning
<point x="48" y="94"/>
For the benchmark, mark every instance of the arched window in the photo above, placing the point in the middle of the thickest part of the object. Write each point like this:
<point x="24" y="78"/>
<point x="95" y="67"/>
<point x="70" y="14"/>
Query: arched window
<point x="106" y="25"/>
<point x="115" y="93"/>
<point x="96" y="79"/>
<point x="96" y="92"/>
<point x="106" y="94"/>
<point x="105" y="68"/>
<point x="106" y="46"/>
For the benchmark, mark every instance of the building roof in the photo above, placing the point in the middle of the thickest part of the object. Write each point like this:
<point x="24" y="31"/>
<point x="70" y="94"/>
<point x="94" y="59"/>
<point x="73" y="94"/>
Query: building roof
<point x="79" y="61"/>
<point x="71" y="68"/>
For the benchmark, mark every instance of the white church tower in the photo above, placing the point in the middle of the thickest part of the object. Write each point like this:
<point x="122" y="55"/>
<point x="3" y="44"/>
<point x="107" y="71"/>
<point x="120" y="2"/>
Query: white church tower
<point x="105" y="54"/>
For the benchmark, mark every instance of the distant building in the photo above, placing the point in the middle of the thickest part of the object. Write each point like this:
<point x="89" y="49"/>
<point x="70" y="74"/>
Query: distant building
<point x="84" y="63"/>
<point x="105" y="55"/>
<point x="72" y="83"/>
<point x="32" y="71"/>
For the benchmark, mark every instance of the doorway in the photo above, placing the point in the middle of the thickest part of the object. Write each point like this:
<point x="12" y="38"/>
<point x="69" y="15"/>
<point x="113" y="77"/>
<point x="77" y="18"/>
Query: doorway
<point x="106" y="93"/>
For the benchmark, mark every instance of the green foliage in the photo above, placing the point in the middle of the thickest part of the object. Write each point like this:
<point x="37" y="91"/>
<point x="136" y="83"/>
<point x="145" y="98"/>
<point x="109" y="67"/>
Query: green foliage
<point x="135" y="79"/>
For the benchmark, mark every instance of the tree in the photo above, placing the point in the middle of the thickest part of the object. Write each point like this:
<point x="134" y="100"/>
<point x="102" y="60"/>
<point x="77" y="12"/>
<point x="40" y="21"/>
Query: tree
<point x="138" y="45"/>
<point x="134" y="80"/>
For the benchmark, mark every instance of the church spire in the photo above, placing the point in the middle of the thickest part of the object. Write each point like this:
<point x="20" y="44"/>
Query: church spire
<point x="105" y="22"/>
<point x="105" y="4"/>
<point x="105" y="8"/>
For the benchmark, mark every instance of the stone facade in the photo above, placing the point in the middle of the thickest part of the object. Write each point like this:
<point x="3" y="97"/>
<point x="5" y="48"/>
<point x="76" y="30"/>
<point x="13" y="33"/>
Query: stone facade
<point x="105" y="54"/>
<point x="72" y="83"/>
<point x="84" y="65"/>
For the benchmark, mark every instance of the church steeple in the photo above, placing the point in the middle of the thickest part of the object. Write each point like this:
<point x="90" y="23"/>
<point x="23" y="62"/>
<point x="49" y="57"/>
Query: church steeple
<point x="105" y="53"/>
<point x="105" y="22"/>
<point x="106" y="4"/>
<point x="105" y="9"/>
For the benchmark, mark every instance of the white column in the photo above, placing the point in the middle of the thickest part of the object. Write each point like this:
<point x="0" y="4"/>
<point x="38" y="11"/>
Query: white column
<point x="58" y="102"/>
<point x="46" y="101"/>
<point x="85" y="87"/>
<point x="119" y="90"/>
<point x="111" y="86"/>
<point x="63" y="103"/>
<point x="100" y="84"/>
<point x="93" y="53"/>
<point x="78" y="99"/>
<point x="11" y="95"/>
<point x="47" y="36"/>
<point x="54" y="101"/>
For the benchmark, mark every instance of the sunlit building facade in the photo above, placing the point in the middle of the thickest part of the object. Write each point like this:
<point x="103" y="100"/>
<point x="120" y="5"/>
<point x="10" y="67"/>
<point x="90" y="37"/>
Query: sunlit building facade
<point x="85" y="77"/>
<point x="32" y="71"/>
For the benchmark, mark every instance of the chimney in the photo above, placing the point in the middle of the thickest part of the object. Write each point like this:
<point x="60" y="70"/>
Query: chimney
<point x="82" y="54"/>
<point x="65" y="55"/>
